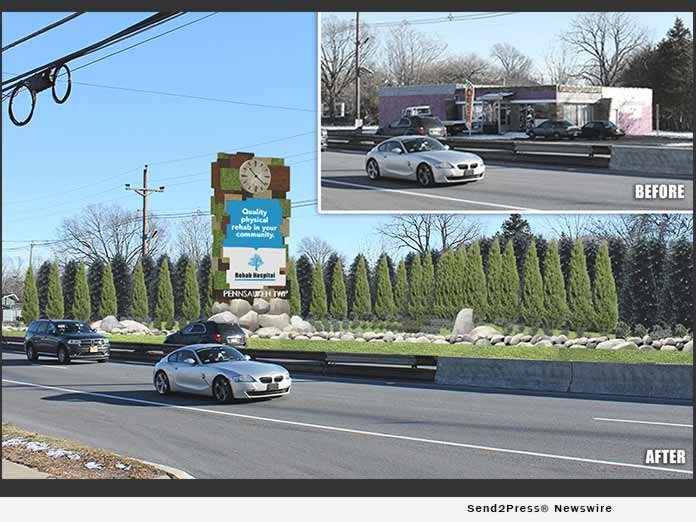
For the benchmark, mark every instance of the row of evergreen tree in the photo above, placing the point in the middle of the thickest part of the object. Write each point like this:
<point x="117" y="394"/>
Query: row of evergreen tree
<point x="580" y="284"/>
<point x="149" y="291"/>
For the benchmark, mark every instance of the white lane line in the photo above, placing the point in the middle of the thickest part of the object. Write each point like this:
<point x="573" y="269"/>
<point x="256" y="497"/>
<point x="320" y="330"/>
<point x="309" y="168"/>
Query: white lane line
<point x="355" y="431"/>
<point x="434" y="196"/>
<point x="645" y="422"/>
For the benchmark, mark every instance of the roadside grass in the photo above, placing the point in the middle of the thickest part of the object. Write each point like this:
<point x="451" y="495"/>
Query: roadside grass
<point x="66" y="468"/>
<point x="454" y="350"/>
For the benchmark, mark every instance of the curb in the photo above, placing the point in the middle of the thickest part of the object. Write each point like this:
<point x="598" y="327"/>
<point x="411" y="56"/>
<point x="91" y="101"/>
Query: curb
<point x="177" y="473"/>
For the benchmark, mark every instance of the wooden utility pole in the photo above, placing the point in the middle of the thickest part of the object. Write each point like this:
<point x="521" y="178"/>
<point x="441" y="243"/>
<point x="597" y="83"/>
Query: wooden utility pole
<point x="357" y="67"/>
<point x="31" y="252"/>
<point x="144" y="191"/>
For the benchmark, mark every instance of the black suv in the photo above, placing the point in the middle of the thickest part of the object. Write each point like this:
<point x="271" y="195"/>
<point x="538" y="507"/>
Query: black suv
<point x="208" y="332"/>
<point x="415" y="125"/>
<point x="66" y="340"/>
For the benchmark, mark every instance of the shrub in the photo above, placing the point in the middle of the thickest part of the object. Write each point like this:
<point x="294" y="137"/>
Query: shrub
<point x="622" y="330"/>
<point x="639" y="330"/>
<point x="660" y="331"/>
<point x="680" y="330"/>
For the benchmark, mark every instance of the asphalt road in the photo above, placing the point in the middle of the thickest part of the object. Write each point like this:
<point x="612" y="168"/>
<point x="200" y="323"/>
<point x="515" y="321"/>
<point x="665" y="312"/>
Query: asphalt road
<point x="345" y="187"/>
<point x="340" y="428"/>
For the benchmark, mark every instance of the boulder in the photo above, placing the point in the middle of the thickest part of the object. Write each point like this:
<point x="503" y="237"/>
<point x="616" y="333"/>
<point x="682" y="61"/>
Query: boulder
<point x="581" y="340"/>
<point x="96" y="325"/>
<point x="389" y="337"/>
<point x="484" y="331"/>
<point x="464" y="322"/>
<point x="626" y="345"/>
<point x="249" y="320"/>
<point x="609" y="345"/>
<point x="500" y="344"/>
<point x="368" y="336"/>
<point x="268" y="332"/>
<point x="647" y="339"/>
<point x="646" y="348"/>
<point x="347" y="337"/>
<point x="261" y="306"/>
<point x="525" y="338"/>
<point x="495" y="339"/>
<point x="376" y="340"/>
<point x="560" y="339"/>
<point x="134" y="327"/>
<point x="668" y="348"/>
<point x="279" y="321"/>
<point x="239" y="307"/>
<point x="316" y="338"/>
<point x="482" y="342"/>
<point x="109" y="323"/>
<point x="578" y="346"/>
<point x="279" y="306"/>
<point x="421" y="340"/>
<point x="301" y="338"/>
<point x="516" y="339"/>
<point x="635" y="340"/>
<point x="398" y="338"/>
<point x="297" y="324"/>
<point x="544" y="343"/>
<point x="359" y="340"/>
<point x="224" y="318"/>
<point x="218" y="308"/>
<point x="688" y="347"/>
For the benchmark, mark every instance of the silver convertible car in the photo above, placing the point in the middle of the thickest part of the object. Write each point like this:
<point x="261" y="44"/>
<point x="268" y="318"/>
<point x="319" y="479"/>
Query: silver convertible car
<point x="423" y="159"/>
<point x="219" y="371"/>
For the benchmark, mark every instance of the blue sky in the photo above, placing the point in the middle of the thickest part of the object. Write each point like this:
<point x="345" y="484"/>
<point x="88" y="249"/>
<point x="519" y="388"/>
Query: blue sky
<point x="84" y="151"/>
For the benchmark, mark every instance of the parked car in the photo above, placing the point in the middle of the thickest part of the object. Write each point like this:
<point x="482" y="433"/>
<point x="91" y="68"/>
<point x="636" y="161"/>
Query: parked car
<point x="208" y="332"/>
<point x="602" y="129"/>
<point x="221" y="372"/>
<point x="423" y="159"/>
<point x="66" y="340"/>
<point x="415" y="125"/>
<point x="324" y="139"/>
<point x="556" y="129"/>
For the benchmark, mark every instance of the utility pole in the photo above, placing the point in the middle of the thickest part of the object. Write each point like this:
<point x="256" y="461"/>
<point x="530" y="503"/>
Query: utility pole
<point x="357" y="67"/>
<point x="31" y="252"/>
<point x="144" y="192"/>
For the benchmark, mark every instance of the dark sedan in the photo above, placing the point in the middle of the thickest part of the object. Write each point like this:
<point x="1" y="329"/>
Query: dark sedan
<point x="555" y="129"/>
<point x="602" y="129"/>
<point x="415" y="125"/>
<point x="208" y="332"/>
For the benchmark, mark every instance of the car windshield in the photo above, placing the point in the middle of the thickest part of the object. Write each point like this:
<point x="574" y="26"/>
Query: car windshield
<point x="422" y="145"/>
<point x="63" y="328"/>
<point x="215" y="354"/>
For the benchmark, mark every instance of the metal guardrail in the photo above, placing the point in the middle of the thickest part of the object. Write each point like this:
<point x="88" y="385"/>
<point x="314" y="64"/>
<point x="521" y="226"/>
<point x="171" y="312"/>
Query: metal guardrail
<point x="387" y="366"/>
<point x="556" y="153"/>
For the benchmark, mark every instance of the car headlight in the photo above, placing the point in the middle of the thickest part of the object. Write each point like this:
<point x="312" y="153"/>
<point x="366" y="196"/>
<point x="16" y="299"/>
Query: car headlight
<point x="74" y="342"/>
<point x="444" y="165"/>
<point x="105" y="342"/>
<point x="244" y="378"/>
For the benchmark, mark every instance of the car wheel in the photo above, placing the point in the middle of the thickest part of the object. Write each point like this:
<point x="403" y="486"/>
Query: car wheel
<point x="31" y="354"/>
<point x="222" y="391"/>
<point x="424" y="175"/>
<point x="162" y="383"/>
<point x="556" y="136"/>
<point x="532" y="136"/>
<point x="372" y="169"/>
<point x="63" y="355"/>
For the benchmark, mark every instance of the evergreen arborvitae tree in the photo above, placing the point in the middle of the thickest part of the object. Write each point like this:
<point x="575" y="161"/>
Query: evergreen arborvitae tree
<point x="532" y="305"/>
<point x="417" y="307"/>
<point x="54" y="297"/>
<point x="362" y="300"/>
<point x="591" y="248"/>
<point x="328" y="276"/>
<point x="30" y="306"/>
<point x="317" y="307"/>
<point x="178" y="275"/>
<point x="401" y="290"/>
<point x="479" y="293"/>
<point x="151" y="272"/>
<point x="305" y="272"/>
<point x="580" y="309"/>
<point x="293" y="289"/>
<point x="108" y="304"/>
<point x="565" y="248"/>
<point x="123" y="282"/>
<point x="617" y="253"/>
<point x="384" y="295"/>
<point x="339" y="299"/>
<point x="447" y="298"/>
<point x="205" y="286"/>
<point x="42" y="278"/>
<point x="645" y="281"/>
<point x="679" y="286"/>
<point x="191" y="298"/>
<point x="555" y="303"/>
<point x="606" y="307"/>
<point x="81" y="309"/>
<point x="139" y="308"/>
<point x="67" y="283"/>
<point x="95" y="277"/>
<point x="494" y="284"/>
<point x="164" y="309"/>
<point x="510" y="288"/>
<point x="428" y="280"/>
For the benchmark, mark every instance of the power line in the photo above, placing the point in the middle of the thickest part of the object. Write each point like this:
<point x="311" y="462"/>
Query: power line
<point x="42" y="30"/>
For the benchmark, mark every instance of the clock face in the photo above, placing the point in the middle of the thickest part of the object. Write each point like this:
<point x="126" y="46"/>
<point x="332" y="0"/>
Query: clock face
<point x="255" y="176"/>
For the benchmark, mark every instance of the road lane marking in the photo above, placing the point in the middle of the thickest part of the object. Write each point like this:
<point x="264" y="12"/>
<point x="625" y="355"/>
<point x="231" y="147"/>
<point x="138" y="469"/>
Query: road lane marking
<point x="355" y="431"/>
<point x="644" y="422"/>
<point x="434" y="196"/>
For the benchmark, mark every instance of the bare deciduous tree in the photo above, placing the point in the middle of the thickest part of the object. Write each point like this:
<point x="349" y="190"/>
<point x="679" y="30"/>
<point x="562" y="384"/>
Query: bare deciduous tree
<point x="316" y="249"/>
<point x="424" y="232"/>
<point x="100" y="232"/>
<point x="338" y="57"/>
<point x="458" y="69"/>
<point x="515" y="67"/>
<point x="409" y="55"/>
<point x="561" y="65"/>
<point x="194" y="237"/>
<point x="607" y="41"/>
<point x="574" y="226"/>
<point x="13" y="272"/>
<point x="631" y="227"/>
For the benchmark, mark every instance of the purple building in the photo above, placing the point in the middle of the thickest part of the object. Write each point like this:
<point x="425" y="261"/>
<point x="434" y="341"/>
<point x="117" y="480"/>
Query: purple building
<point x="507" y="108"/>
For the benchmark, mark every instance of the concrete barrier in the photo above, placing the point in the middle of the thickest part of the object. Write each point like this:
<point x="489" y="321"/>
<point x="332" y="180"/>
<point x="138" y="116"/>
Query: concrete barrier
<point x="647" y="381"/>
<point x="657" y="161"/>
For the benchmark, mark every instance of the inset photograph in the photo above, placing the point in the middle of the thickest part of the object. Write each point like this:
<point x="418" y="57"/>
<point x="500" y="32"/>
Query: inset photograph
<point x="495" y="112"/>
